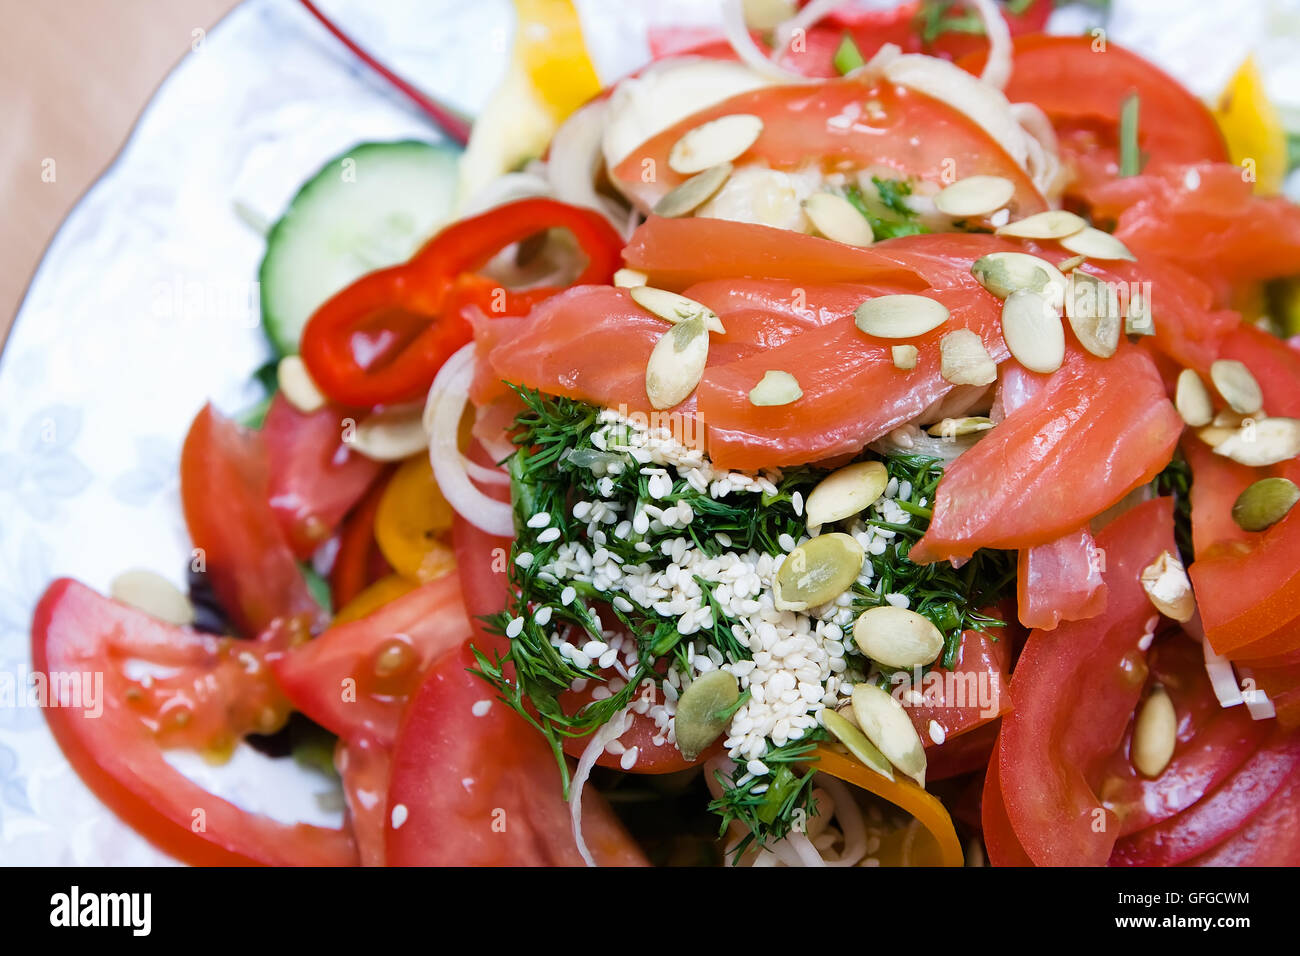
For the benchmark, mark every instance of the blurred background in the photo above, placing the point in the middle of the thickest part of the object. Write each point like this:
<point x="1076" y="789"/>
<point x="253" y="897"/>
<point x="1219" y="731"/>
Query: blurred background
<point x="74" y="75"/>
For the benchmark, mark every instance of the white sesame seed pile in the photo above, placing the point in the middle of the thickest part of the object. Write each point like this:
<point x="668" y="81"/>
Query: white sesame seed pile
<point x="800" y="662"/>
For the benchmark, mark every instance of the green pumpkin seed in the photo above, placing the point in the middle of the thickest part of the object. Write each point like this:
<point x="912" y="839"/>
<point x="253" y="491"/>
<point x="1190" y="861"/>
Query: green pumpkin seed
<point x="697" y="721"/>
<point x="675" y="308"/>
<point x="677" y="363"/>
<point x="817" y="571"/>
<point x="901" y="316"/>
<point x="846" y="492"/>
<point x="1265" y="503"/>
<point x="897" y="637"/>
<point x="1003" y="273"/>
<point x="694" y="192"/>
<point x="857" y="743"/>
<point x="1093" y="311"/>
<point x="886" y="724"/>
<point x="775" y="388"/>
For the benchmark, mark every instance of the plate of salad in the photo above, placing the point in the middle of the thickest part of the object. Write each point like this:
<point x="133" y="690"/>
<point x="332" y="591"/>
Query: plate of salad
<point x="764" y="434"/>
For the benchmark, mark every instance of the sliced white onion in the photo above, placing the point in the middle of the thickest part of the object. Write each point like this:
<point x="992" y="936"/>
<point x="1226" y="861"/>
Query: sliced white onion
<point x="442" y="413"/>
<point x="1257" y="702"/>
<point x="612" y="730"/>
<point x="1219" y="669"/>
<point x="997" y="68"/>
<point x="807" y="853"/>
<point x="508" y="188"/>
<point x="849" y="816"/>
<point x="576" y="162"/>
<point x="737" y="33"/>
<point x="810" y="15"/>
<point x="485" y="475"/>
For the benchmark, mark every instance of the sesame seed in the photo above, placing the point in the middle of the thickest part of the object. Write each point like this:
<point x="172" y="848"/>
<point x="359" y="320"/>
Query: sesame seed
<point x="539" y="520"/>
<point x="937" y="733"/>
<point x="567" y="596"/>
<point x="524" y="559"/>
<point x="481" y="707"/>
<point x="515" y="628"/>
<point x="399" y="815"/>
<point x="549" y="535"/>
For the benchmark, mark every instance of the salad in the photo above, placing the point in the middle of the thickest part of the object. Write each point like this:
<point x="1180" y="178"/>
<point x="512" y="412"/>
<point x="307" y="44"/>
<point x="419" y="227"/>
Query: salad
<point x="857" y="437"/>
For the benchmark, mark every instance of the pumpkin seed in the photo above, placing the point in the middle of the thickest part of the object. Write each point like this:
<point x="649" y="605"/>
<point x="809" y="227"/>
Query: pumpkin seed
<point x="297" y="385"/>
<point x="677" y="363"/>
<point x="897" y="637"/>
<point x="694" y="192"/>
<point x="857" y="743"/>
<point x="963" y="360"/>
<point x="1093" y="310"/>
<point x="675" y="308"/>
<point x="1261" y="443"/>
<point x="1237" y="386"/>
<point x="886" y="724"/>
<point x="391" y="434"/>
<point x="775" y="388"/>
<point x="1003" y="273"/>
<point x="1139" y="320"/>
<point x="817" y="571"/>
<point x="1229" y="418"/>
<point x="1265" y="503"/>
<point x="904" y="356"/>
<point x="629" y="278"/>
<point x="960" y="427"/>
<point x="1215" y="435"/>
<point x="846" y="492"/>
<point x="1032" y="329"/>
<point x="717" y="141"/>
<point x="153" y="594"/>
<point x="1053" y="224"/>
<point x="837" y="218"/>
<point x="1165" y="581"/>
<point x="1155" y="734"/>
<point x="901" y="316"/>
<point x="1096" y="244"/>
<point x="699" y="719"/>
<point x="1192" y="399"/>
<point x="974" y="196"/>
<point x="1068" y="265"/>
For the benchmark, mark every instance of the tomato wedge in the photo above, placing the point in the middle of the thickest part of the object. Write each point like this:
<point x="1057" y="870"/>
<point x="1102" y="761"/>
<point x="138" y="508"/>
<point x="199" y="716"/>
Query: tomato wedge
<point x="1081" y="83"/>
<point x="359" y="561"/>
<point x="473" y="784"/>
<point x="1271" y="838"/>
<point x="315" y="478"/>
<point x="970" y="695"/>
<point x="831" y="127"/>
<point x="354" y="678"/>
<point x="1000" y="840"/>
<point x="236" y="535"/>
<point x="76" y="633"/>
<point x="1075" y="689"/>
<point x="1060" y="581"/>
<point x="1099" y="429"/>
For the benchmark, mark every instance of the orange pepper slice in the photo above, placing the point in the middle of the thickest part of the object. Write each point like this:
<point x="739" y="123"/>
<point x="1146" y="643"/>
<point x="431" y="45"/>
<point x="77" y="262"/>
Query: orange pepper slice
<point x="374" y="596"/>
<point x="412" y="523"/>
<point x="924" y="806"/>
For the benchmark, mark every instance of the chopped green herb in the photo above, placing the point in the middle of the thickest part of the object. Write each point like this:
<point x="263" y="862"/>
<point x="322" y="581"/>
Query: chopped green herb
<point x="1130" y="155"/>
<point x="937" y="17"/>
<point x="1176" y="481"/>
<point x="847" y="56"/>
<point x="888" y="212"/>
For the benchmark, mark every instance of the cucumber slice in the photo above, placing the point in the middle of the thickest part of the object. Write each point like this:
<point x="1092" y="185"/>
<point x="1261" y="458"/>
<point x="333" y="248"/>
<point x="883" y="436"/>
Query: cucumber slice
<point x="370" y="207"/>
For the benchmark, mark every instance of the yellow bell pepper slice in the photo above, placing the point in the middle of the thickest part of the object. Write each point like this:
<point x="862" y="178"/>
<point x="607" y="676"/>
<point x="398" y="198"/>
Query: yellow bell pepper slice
<point x="1252" y="128"/>
<point x="412" y="522"/>
<point x="375" y="596"/>
<point x="907" y="796"/>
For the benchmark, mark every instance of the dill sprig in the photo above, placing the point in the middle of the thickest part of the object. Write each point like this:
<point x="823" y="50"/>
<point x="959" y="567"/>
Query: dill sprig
<point x="766" y="806"/>
<point x="888" y="212"/>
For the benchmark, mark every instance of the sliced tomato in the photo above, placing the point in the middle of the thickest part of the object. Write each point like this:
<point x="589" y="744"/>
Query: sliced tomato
<point x="965" y="754"/>
<point x="363" y="765"/>
<point x="354" y="678"/>
<point x="1271" y="838"/>
<point x="237" y="538"/>
<point x="1099" y="429"/>
<point x="970" y="695"/>
<point x="831" y="127"/>
<point x="1060" y="581"/>
<point x="315" y="478"/>
<point x="1000" y="840"/>
<point x="473" y="784"/>
<point x="359" y="562"/>
<point x="1081" y="83"/>
<point x="1220" y="814"/>
<point x="1212" y="743"/>
<point x="113" y="745"/>
<point x="1075" y="689"/>
<point x="676" y="253"/>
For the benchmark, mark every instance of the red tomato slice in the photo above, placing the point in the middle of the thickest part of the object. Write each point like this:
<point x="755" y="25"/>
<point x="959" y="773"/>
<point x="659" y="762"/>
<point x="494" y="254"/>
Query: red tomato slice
<point x="965" y="754"/>
<point x="481" y="560"/>
<point x="232" y="525"/>
<point x="1271" y="838"/>
<point x="1060" y="581"/>
<point x="77" y="632"/>
<point x="1000" y="840"/>
<point x="676" y="253"/>
<point x="315" y="479"/>
<point x="354" y="678"/>
<point x="1212" y="743"/>
<point x="831" y="126"/>
<point x="1075" y="689"/>
<point x="363" y="765"/>
<point x="1082" y="89"/>
<point x="1220" y="814"/>
<point x="359" y="562"/>
<point x="1099" y="429"/>
<point x="970" y="695"/>
<point x="483" y="789"/>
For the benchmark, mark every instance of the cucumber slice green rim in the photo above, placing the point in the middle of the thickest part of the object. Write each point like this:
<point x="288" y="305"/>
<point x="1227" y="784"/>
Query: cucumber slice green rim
<point x="370" y="207"/>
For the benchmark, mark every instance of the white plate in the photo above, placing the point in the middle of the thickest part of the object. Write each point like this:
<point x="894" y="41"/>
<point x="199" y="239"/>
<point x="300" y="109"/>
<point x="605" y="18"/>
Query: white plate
<point x="144" y="308"/>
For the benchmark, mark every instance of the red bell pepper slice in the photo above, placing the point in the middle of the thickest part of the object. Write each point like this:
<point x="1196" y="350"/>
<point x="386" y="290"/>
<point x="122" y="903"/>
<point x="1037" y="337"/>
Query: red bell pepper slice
<point x="382" y="339"/>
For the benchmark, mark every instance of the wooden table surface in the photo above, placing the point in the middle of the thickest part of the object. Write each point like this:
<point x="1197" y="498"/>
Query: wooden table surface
<point x="74" y="75"/>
